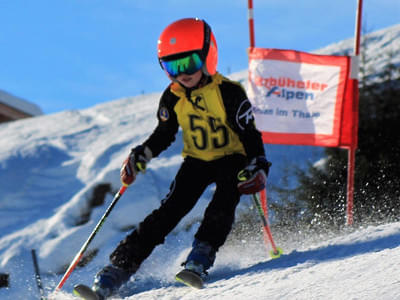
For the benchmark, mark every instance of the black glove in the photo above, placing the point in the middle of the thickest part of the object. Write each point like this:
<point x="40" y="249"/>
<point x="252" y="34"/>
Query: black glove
<point x="136" y="162"/>
<point x="139" y="157"/>
<point x="253" y="178"/>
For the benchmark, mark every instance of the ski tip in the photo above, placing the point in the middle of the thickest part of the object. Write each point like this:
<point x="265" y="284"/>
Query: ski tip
<point x="84" y="292"/>
<point x="190" y="279"/>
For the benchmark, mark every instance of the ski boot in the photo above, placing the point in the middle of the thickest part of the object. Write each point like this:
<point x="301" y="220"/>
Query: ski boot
<point x="199" y="260"/>
<point x="108" y="281"/>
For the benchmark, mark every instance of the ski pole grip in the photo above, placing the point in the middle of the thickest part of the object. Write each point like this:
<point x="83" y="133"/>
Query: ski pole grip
<point x="244" y="175"/>
<point x="141" y="166"/>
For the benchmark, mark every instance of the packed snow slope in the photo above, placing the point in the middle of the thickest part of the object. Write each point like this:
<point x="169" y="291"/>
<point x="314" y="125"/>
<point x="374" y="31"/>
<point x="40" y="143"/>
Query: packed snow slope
<point x="53" y="167"/>
<point x="378" y="50"/>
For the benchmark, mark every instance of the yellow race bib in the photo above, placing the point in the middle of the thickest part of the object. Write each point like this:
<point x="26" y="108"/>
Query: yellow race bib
<point x="206" y="133"/>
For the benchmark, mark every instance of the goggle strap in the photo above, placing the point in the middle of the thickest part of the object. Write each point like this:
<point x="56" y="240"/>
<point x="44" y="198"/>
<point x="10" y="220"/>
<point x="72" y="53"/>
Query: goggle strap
<point x="207" y="40"/>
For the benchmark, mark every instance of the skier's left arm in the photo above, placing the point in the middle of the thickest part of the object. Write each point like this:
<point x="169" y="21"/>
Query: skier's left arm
<point x="241" y="119"/>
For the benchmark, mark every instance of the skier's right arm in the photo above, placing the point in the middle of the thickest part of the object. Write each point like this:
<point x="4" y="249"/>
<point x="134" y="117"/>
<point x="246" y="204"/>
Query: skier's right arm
<point x="164" y="134"/>
<point x="161" y="138"/>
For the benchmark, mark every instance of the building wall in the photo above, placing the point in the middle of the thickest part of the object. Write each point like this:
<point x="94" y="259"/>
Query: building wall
<point x="15" y="108"/>
<point x="8" y="113"/>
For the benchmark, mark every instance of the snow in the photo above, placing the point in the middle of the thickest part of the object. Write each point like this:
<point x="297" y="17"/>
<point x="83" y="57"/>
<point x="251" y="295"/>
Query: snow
<point x="20" y="104"/>
<point x="50" y="166"/>
<point x="378" y="48"/>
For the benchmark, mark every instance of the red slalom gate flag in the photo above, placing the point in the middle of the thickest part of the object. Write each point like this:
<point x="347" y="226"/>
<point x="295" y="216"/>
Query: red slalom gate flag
<point x="303" y="99"/>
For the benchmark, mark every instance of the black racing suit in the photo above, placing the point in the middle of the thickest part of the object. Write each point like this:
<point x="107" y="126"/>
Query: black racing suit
<point x="220" y="138"/>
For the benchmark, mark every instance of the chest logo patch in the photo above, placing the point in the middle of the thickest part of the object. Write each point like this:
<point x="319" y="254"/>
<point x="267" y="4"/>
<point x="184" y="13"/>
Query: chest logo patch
<point x="198" y="102"/>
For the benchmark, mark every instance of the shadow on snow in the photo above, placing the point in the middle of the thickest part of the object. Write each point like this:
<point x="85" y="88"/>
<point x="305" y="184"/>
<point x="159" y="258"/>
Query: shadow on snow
<point x="322" y="254"/>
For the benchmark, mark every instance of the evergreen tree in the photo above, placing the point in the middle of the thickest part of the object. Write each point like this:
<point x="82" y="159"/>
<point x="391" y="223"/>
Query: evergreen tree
<point x="377" y="174"/>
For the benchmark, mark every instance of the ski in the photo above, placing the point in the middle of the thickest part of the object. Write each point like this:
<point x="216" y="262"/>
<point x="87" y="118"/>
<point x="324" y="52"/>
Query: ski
<point x="85" y="292"/>
<point x="190" y="278"/>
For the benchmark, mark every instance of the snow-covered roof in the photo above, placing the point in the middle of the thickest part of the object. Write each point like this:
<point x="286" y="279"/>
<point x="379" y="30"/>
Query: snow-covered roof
<point x="20" y="104"/>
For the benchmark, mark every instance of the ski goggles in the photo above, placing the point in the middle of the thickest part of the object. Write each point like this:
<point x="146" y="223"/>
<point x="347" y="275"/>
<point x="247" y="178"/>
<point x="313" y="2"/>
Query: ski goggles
<point x="189" y="65"/>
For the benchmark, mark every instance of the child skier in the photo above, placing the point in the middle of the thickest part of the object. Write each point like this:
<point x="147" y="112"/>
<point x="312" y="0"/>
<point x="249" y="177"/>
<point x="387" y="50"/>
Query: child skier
<point x="219" y="141"/>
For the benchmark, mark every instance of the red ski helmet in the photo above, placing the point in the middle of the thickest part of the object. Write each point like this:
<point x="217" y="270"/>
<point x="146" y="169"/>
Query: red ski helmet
<point x="186" y="36"/>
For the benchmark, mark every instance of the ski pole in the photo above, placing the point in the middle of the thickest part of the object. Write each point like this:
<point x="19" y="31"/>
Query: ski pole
<point x="79" y="255"/>
<point x="37" y="275"/>
<point x="276" y="252"/>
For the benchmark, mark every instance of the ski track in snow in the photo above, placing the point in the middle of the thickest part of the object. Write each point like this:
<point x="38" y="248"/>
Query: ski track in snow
<point x="361" y="265"/>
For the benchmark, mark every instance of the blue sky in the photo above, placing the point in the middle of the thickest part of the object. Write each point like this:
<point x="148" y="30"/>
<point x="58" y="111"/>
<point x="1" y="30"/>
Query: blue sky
<point x="73" y="54"/>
